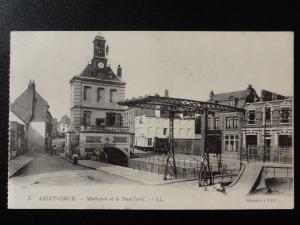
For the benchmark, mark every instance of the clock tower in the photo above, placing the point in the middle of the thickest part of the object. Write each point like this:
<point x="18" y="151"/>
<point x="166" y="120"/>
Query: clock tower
<point x="99" y="60"/>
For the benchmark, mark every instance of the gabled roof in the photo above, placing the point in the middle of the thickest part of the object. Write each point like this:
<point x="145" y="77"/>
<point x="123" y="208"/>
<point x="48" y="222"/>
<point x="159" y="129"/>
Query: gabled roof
<point x="23" y="106"/>
<point x="232" y="95"/>
<point x="240" y="98"/>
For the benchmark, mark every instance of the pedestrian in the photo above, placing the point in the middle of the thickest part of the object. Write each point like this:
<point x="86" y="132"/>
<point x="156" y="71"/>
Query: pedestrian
<point x="54" y="149"/>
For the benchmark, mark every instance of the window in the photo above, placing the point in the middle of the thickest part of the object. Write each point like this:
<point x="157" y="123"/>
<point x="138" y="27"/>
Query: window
<point x="268" y="115"/>
<point x="284" y="115"/>
<point x="228" y="122"/>
<point x="113" y="119"/>
<point x="100" y="122"/>
<point x="100" y="94"/>
<point x="217" y="123"/>
<point x="149" y="141"/>
<point x="284" y="141"/>
<point x="87" y="93"/>
<point x="231" y="142"/>
<point x="198" y="125"/>
<point x="251" y="117"/>
<point x="113" y="95"/>
<point x="86" y="119"/>
<point x="235" y="122"/>
<point x="165" y="131"/>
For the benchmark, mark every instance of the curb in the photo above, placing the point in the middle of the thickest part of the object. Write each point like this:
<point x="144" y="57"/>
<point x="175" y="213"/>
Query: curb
<point x="9" y="176"/>
<point x="147" y="183"/>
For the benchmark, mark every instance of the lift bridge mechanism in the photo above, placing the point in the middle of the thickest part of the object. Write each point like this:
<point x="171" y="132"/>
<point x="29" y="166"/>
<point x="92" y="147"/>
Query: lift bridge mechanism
<point x="176" y="105"/>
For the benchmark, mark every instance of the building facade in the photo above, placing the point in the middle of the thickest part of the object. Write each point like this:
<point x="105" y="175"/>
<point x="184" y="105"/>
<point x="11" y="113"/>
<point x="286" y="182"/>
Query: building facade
<point x="17" y="141"/>
<point x="55" y="128"/>
<point x="268" y="134"/>
<point x="63" y="125"/>
<point x="224" y="129"/>
<point x="33" y="110"/>
<point x="96" y="117"/>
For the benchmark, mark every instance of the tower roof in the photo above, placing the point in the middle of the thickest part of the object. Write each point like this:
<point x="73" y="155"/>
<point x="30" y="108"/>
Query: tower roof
<point x="100" y="38"/>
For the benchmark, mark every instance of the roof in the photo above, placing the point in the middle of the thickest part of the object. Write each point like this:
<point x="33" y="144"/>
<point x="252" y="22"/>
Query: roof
<point x="105" y="74"/>
<point x="232" y="95"/>
<point x="240" y="98"/>
<point x="65" y="120"/>
<point x="226" y="98"/>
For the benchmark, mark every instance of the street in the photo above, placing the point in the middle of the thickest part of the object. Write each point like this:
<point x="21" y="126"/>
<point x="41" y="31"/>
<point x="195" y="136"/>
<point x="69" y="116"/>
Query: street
<point x="52" y="182"/>
<point x="53" y="170"/>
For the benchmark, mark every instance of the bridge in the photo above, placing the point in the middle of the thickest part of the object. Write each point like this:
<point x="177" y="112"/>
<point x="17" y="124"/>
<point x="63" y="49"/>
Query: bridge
<point x="178" y="105"/>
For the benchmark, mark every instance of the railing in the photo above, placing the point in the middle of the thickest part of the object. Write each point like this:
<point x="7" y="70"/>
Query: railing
<point x="272" y="154"/>
<point x="104" y="129"/>
<point x="270" y="172"/>
<point x="186" y="168"/>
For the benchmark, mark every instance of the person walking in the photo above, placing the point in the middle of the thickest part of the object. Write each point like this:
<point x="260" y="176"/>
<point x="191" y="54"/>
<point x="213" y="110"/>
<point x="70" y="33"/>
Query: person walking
<point x="54" y="149"/>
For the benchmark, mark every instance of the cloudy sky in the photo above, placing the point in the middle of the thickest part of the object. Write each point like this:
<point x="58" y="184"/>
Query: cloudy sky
<point x="189" y="64"/>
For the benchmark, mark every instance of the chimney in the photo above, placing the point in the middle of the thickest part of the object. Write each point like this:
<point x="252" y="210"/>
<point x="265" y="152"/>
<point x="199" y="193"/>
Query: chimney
<point x="119" y="72"/>
<point x="211" y="95"/>
<point x="31" y="84"/>
<point x="166" y="93"/>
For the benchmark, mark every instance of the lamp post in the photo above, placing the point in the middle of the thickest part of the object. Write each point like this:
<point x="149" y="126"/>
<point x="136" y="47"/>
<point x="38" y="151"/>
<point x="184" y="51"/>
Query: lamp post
<point x="265" y="124"/>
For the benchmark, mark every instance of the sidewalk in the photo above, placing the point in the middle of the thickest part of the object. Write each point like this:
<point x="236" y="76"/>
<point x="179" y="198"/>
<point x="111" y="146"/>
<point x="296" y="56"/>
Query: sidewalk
<point x="144" y="177"/>
<point x="17" y="163"/>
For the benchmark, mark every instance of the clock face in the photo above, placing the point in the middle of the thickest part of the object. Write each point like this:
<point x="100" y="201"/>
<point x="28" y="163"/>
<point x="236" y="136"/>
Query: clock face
<point x="101" y="65"/>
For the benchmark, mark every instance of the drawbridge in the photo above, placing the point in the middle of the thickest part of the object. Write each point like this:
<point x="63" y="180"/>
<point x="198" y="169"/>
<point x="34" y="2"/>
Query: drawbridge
<point x="171" y="106"/>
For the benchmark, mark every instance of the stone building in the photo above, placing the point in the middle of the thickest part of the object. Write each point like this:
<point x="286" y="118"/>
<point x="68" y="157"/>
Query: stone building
<point x="31" y="108"/>
<point x="63" y="125"/>
<point x="96" y="117"/>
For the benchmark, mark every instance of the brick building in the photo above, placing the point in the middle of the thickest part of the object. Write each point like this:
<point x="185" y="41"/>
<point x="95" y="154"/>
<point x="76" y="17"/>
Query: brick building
<point x="268" y="132"/>
<point x="224" y="129"/>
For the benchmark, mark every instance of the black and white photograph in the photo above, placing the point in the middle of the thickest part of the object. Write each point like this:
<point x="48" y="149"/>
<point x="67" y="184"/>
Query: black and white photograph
<point x="187" y="120"/>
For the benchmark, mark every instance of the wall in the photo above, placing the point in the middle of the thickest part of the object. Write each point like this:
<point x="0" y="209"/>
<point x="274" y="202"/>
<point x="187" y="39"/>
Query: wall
<point x="36" y="137"/>
<point x="89" y="141"/>
<point x="17" y="142"/>
<point x="77" y="91"/>
<point x="150" y="127"/>
<point x="273" y="129"/>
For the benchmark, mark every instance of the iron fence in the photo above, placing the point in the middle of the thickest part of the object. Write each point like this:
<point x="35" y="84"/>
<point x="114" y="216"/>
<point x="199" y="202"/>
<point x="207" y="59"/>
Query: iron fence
<point x="278" y="155"/>
<point x="186" y="168"/>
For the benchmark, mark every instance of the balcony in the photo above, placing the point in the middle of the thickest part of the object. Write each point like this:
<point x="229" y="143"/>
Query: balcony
<point x="104" y="129"/>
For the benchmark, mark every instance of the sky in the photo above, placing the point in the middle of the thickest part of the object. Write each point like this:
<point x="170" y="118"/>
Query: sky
<point x="188" y="64"/>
